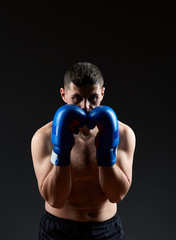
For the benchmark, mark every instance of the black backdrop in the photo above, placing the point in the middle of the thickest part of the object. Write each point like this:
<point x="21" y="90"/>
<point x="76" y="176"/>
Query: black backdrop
<point x="134" y="46"/>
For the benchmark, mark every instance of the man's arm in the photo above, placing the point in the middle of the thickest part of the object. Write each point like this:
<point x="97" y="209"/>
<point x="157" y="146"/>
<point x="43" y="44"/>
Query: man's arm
<point x="54" y="179"/>
<point x="116" y="180"/>
<point x="54" y="182"/>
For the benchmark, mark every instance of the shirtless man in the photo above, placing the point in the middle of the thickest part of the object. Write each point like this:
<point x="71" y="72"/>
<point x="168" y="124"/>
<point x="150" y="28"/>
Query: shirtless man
<point x="81" y="195"/>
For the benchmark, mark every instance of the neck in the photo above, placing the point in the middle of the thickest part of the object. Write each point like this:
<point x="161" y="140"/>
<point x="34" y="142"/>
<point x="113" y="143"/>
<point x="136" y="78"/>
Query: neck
<point x="84" y="131"/>
<point x="87" y="133"/>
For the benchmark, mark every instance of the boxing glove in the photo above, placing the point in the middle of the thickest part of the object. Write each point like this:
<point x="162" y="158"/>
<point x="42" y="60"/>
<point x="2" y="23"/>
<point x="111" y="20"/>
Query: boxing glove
<point x="67" y="119"/>
<point x="107" y="139"/>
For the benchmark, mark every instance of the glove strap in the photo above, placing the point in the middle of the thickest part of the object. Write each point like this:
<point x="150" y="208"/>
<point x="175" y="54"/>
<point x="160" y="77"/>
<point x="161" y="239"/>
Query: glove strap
<point x="61" y="158"/>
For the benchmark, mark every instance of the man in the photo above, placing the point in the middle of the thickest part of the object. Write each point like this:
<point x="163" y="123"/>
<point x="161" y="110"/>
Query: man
<point x="83" y="161"/>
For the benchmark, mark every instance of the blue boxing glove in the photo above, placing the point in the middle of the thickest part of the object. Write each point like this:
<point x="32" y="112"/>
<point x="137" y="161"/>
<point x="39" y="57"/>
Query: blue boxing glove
<point x="67" y="120"/>
<point x="107" y="139"/>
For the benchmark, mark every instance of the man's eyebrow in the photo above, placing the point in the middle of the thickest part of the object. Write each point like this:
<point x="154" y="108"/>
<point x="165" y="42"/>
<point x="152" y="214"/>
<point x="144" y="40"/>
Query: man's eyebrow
<point x="76" y="95"/>
<point x="79" y="95"/>
<point x="94" y="95"/>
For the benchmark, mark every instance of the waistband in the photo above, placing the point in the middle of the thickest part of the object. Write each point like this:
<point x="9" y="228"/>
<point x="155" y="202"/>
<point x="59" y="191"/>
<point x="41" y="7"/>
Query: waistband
<point x="106" y="223"/>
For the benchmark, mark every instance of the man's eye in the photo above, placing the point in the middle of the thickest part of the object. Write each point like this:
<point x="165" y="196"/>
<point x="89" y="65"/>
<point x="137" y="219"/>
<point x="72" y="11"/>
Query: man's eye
<point x="77" y="98"/>
<point x="93" y="99"/>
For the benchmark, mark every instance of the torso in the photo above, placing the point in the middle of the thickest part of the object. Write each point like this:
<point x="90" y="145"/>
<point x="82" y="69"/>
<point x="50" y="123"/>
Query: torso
<point x="86" y="202"/>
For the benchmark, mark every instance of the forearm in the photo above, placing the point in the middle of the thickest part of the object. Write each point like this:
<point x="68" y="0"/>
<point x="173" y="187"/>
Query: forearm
<point x="56" y="186"/>
<point x="113" y="182"/>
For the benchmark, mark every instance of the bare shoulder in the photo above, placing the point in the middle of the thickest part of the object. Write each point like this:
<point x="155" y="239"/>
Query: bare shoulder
<point x="127" y="138"/>
<point x="41" y="140"/>
<point x="42" y="133"/>
<point x="41" y="149"/>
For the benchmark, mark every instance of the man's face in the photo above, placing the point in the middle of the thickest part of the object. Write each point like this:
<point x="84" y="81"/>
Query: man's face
<point x="86" y="98"/>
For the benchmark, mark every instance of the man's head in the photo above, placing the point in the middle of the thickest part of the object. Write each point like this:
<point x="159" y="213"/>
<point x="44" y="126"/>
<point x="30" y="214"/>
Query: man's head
<point x="83" y="74"/>
<point x="83" y="86"/>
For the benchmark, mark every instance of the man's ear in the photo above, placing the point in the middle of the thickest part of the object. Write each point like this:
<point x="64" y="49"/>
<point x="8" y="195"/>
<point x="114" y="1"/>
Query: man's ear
<point x="63" y="94"/>
<point x="102" y="92"/>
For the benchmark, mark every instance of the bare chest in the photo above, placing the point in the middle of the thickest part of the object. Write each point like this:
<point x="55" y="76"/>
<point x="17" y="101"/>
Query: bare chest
<point x="84" y="170"/>
<point x="83" y="159"/>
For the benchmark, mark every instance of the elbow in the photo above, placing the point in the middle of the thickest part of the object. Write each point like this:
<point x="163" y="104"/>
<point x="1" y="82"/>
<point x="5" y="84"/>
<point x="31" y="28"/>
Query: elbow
<point x="55" y="204"/>
<point x="51" y="200"/>
<point x="116" y="199"/>
<point x="118" y="196"/>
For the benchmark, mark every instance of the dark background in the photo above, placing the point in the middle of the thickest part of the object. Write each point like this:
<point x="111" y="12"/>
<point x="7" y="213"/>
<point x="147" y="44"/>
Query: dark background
<point x="134" y="46"/>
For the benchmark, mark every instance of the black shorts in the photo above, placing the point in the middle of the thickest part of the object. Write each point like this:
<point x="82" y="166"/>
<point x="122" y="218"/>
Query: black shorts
<point x="52" y="227"/>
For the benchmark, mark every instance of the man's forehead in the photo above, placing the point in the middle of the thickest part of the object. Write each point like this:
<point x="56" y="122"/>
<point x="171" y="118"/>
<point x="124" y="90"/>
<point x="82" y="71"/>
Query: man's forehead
<point x="87" y="90"/>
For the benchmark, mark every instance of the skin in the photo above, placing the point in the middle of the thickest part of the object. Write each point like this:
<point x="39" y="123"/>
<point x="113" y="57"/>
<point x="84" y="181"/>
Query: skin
<point x="83" y="191"/>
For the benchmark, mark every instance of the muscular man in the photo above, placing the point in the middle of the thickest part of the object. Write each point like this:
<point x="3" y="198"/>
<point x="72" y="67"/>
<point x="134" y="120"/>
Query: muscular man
<point x="87" y="167"/>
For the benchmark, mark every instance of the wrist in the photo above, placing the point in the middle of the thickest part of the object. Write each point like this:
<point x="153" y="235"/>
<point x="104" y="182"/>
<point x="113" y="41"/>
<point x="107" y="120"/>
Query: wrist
<point x="62" y="158"/>
<point x="106" y="157"/>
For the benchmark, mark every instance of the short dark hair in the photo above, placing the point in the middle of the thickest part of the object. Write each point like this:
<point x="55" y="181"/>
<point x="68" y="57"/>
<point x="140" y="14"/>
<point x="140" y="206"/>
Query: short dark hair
<point x="83" y="74"/>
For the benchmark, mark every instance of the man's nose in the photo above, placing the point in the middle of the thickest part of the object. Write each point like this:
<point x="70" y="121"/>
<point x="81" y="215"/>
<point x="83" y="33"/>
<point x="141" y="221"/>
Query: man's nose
<point x="85" y="104"/>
